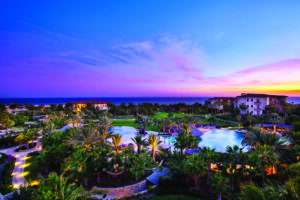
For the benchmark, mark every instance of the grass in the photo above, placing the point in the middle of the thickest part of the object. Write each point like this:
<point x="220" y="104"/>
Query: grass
<point x="124" y="117"/>
<point x="218" y="122"/>
<point x="173" y="197"/>
<point x="124" y="123"/>
<point x="163" y="115"/>
<point x="17" y="129"/>
<point x="32" y="169"/>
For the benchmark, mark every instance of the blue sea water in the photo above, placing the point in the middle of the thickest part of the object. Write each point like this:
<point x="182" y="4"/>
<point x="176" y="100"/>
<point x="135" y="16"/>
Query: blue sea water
<point x="118" y="100"/>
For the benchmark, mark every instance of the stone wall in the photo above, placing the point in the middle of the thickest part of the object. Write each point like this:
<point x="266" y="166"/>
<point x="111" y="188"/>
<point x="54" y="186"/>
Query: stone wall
<point x="126" y="190"/>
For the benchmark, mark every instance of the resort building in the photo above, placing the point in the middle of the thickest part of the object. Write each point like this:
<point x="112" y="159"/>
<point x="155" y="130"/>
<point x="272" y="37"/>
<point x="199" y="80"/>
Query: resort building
<point x="217" y="102"/>
<point x="77" y="105"/>
<point x="256" y="103"/>
<point x="19" y="107"/>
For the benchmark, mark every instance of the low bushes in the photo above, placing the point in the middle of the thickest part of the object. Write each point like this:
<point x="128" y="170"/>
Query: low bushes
<point x="6" y="142"/>
<point x="6" y="176"/>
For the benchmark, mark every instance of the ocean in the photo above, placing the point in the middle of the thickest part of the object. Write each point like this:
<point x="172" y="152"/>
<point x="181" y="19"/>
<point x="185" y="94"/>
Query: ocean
<point x="118" y="100"/>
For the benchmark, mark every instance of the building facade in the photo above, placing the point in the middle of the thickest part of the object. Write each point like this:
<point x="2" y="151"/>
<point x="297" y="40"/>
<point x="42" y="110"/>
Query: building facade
<point x="256" y="103"/>
<point x="77" y="105"/>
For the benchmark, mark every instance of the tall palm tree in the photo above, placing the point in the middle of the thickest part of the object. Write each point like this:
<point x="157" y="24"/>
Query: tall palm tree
<point x="219" y="183"/>
<point x="143" y="121"/>
<point x="154" y="143"/>
<point x="116" y="142"/>
<point x="85" y="136"/>
<point x="238" y="118"/>
<point x="195" y="166"/>
<point x="274" y="117"/>
<point x="139" y="142"/>
<point x="253" y="162"/>
<point x="234" y="157"/>
<point x="208" y="155"/>
<point x="170" y="123"/>
<point x="250" y="119"/>
<point x="253" y="137"/>
<point x="267" y="157"/>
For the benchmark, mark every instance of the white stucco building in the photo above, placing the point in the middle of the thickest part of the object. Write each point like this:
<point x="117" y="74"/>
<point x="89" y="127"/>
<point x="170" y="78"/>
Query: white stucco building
<point x="256" y="103"/>
<point x="77" y="105"/>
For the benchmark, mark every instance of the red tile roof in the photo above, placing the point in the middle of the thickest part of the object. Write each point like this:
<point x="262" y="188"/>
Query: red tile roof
<point x="260" y="95"/>
<point x="89" y="101"/>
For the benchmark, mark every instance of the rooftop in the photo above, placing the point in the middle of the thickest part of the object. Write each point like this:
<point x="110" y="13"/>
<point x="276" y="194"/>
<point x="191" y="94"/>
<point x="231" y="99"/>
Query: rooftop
<point x="260" y="95"/>
<point x="223" y="98"/>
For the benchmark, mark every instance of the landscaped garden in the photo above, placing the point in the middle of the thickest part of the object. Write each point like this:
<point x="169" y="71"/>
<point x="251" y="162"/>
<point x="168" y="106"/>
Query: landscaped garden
<point x="90" y="155"/>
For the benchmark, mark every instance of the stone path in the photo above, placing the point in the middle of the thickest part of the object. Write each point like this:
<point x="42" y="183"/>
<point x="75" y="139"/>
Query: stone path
<point x="18" y="173"/>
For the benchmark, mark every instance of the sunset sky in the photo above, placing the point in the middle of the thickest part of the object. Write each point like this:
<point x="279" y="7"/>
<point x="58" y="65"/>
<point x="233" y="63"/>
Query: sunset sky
<point x="142" y="48"/>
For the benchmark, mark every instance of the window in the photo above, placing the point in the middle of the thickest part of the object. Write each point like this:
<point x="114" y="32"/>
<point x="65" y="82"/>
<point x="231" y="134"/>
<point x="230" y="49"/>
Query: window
<point x="251" y="100"/>
<point x="251" y="106"/>
<point x="247" y="106"/>
<point x="247" y="100"/>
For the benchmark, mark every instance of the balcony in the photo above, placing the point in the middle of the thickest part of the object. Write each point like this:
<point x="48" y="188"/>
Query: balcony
<point x="258" y="108"/>
<point x="257" y="102"/>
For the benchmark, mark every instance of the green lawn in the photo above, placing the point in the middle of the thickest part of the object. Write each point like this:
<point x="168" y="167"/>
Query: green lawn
<point x="163" y="115"/>
<point x="124" y="123"/>
<point x="32" y="169"/>
<point x="17" y="129"/>
<point x="217" y="122"/>
<point x="173" y="197"/>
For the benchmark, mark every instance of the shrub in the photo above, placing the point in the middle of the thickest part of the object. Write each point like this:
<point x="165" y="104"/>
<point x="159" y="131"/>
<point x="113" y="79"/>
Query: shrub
<point x="296" y="126"/>
<point x="6" y="179"/>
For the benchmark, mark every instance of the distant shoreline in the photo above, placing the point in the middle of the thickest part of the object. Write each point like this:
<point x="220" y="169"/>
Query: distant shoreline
<point x="118" y="100"/>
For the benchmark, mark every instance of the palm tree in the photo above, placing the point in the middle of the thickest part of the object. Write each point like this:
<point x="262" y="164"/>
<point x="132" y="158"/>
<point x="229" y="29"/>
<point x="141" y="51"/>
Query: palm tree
<point x="74" y="119"/>
<point x="253" y="162"/>
<point x="195" y="166"/>
<point x="139" y="142"/>
<point x="267" y="157"/>
<point x="253" y="137"/>
<point x="85" y="136"/>
<point x="143" y="121"/>
<point x="219" y="183"/>
<point x="212" y="119"/>
<point x="154" y="143"/>
<point x="208" y="155"/>
<point x="238" y="118"/>
<point x="234" y="156"/>
<point x="250" y="119"/>
<point x="243" y="107"/>
<point x="104" y="134"/>
<point x="251" y="192"/>
<point x="23" y="137"/>
<point x="272" y="140"/>
<point x="57" y="187"/>
<point x="275" y="119"/>
<point x="170" y="123"/>
<point x="49" y="128"/>
<point x="8" y="123"/>
<point x="116" y="142"/>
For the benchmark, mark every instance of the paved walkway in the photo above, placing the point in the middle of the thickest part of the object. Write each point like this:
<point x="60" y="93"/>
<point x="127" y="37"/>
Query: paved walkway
<point x="18" y="173"/>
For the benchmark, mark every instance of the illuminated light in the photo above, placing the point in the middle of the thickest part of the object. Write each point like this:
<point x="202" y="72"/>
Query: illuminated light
<point x="35" y="183"/>
<point x="17" y="163"/>
<point x="27" y="164"/>
<point x="25" y="173"/>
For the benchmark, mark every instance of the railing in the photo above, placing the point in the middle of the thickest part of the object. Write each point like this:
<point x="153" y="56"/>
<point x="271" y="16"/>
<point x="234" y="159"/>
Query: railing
<point x="257" y="102"/>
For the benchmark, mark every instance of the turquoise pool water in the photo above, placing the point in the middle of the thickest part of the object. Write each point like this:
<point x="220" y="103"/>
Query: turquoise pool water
<point x="218" y="139"/>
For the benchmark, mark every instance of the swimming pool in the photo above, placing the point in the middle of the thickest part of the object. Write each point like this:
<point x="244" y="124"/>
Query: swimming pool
<point x="214" y="138"/>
